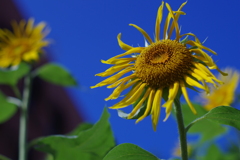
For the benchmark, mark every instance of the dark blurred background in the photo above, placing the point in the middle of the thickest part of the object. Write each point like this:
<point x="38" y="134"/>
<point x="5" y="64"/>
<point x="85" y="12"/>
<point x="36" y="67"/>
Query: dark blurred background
<point x="84" y="32"/>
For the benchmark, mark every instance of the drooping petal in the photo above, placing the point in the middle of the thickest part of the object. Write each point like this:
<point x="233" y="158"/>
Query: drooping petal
<point x="173" y="90"/>
<point x="123" y="45"/>
<point x="155" y="112"/>
<point x="137" y="107"/>
<point x="191" y="34"/>
<point x="193" y="82"/>
<point x="149" y="105"/>
<point x="185" y="94"/>
<point x="131" y="97"/>
<point x="199" y="45"/>
<point x="206" y="58"/>
<point x="115" y="84"/>
<point x="143" y="32"/>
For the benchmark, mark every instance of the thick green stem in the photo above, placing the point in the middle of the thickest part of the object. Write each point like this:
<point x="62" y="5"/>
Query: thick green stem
<point x="181" y="129"/>
<point x="23" y="118"/>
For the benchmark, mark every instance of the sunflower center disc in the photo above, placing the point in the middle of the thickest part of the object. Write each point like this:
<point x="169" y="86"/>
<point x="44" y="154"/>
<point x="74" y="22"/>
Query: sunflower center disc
<point x="163" y="63"/>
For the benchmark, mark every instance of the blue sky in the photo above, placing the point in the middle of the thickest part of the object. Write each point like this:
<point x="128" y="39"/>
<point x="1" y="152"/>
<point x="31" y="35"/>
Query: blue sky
<point x="84" y="32"/>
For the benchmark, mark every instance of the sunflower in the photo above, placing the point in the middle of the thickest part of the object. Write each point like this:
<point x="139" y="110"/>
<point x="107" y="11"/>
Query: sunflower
<point x="224" y="94"/>
<point x="23" y="44"/>
<point x="164" y="68"/>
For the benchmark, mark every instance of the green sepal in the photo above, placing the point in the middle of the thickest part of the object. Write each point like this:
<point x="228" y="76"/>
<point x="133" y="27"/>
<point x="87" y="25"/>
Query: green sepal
<point x="184" y="40"/>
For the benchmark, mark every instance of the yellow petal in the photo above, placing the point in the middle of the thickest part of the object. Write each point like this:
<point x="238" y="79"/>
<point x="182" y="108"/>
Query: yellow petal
<point x="149" y="106"/>
<point x="143" y="32"/>
<point x="29" y="56"/>
<point x="158" y="22"/>
<point x="113" y="78"/>
<point x="29" y="26"/>
<point x="193" y="83"/>
<point x="121" y="80"/>
<point x="173" y="90"/>
<point x="118" y="61"/>
<point x="137" y="107"/>
<point x="113" y="70"/>
<point x="124" y="46"/>
<point x="199" y="45"/>
<point x="133" y="50"/>
<point x="166" y="25"/>
<point x="185" y="95"/>
<point x="130" y="98"/>
<point x="117" y="91"/>
<point x="174" y="21"/>
<point x="191" y="34"/>
<point x="178" y="13"/>
<point x="155" y="112"/>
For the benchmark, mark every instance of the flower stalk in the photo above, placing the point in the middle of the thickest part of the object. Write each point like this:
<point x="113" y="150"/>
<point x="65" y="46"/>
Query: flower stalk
<point x="181" y="129"/>
<point x="23" y="118"/>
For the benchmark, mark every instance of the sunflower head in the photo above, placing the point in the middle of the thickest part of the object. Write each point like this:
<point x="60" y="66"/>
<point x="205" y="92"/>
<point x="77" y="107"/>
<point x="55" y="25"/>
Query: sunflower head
<point x="224" y="94"/>
<point x="163" y="68"/>
<point x="24" y="43"/>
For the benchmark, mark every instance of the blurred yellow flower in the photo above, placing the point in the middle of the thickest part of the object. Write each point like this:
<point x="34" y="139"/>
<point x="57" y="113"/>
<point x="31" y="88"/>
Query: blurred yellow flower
<point x="224" y="94"/>
<point x="163" y="67"/>
<point x="177" y="150"/>
<point x="23" y="44"/>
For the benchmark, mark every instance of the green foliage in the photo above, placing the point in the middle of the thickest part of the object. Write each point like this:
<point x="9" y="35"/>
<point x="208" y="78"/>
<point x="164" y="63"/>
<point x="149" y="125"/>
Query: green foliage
<point x="207" y="129"/>
<point x="7" y="109"/>
<point x="4" y="158"/>
<point x="214" y="153"/>
<point x="90" y="143"/>
<point x="11" y="76"/>
<point x="128" y="151"/>
<point x="55" y="74"/>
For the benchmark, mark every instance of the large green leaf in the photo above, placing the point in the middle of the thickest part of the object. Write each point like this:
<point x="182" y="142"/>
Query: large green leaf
<point x="224" y="115"/>
<point x="7" y="109"/>
<point x="207" y="129"/>
<point x="80" y="128"/>
<point x="55" y="74"/>
<point x="89" y="144"/>
<point x="11" y="76"/>
<point x="221" y="115"/>
<point x="128" y="151"/>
